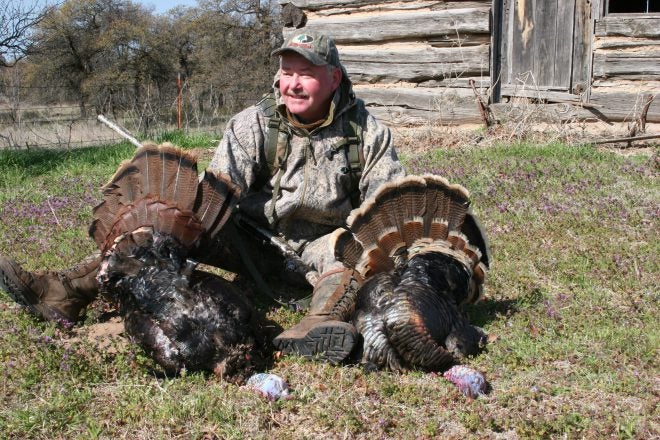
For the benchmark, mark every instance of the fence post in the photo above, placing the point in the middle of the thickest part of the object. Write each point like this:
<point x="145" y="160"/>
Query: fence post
<point x="178" y="101"/>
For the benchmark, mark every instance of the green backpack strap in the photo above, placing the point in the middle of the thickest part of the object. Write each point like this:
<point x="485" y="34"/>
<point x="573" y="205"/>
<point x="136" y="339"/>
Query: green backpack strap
<point x="275" y="150"/>
<point x="268" y="105"/>
<point x="355" y="156"/>
<point x="352" y="146"/>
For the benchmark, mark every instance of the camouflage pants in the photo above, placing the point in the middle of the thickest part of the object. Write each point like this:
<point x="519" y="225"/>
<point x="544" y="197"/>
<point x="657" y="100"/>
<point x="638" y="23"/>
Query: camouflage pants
<point x="234" y="248"/>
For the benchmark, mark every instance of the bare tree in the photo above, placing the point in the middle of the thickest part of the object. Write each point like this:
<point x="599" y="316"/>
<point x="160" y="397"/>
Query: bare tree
<point x="17" y="18"/>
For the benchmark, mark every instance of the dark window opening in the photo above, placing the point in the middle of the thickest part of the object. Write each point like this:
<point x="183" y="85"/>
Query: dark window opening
<point x="633" y="6"/>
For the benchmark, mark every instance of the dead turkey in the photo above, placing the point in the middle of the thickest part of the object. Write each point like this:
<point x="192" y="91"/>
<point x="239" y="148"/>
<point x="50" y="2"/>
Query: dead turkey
<point x="155" y="211"/>
<point x="422" y="255"/>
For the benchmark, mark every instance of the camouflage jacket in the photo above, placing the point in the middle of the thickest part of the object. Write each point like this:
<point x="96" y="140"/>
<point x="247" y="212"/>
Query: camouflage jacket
<point x="315" y="193"/>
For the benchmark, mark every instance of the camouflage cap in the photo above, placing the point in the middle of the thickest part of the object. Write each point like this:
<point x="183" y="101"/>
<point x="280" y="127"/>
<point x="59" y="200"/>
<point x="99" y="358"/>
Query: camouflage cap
<point x="318" y="48"/>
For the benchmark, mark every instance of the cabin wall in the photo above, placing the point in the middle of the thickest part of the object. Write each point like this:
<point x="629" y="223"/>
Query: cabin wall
<point x="425" y="61"/>
<point x="412" y="62"/>
<point x="626" y="66"/>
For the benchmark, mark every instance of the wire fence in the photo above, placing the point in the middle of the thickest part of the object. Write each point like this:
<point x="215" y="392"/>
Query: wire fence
<point x="28" y="122"/>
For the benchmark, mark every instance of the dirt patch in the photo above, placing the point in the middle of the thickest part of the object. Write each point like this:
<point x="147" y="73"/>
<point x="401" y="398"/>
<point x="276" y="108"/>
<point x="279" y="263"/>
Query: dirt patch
<point x="107" y="336"/>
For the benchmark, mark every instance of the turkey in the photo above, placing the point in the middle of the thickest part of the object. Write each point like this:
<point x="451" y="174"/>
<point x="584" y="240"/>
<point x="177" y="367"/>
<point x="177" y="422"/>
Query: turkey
<point x="423" y="255"/>
<point x="155" y="211"/>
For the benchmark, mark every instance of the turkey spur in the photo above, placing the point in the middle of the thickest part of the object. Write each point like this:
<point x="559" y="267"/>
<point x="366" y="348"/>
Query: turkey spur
<point x="423" y="255"/>
<point x="154" y="213"/>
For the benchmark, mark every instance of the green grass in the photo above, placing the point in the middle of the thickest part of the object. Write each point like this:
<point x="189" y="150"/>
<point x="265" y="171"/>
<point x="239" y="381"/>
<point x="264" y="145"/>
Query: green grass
<point x="572" y="302"/>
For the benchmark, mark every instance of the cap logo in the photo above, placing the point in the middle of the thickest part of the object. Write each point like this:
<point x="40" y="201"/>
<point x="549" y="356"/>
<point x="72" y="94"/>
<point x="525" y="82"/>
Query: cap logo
<point x="302" y="38"/>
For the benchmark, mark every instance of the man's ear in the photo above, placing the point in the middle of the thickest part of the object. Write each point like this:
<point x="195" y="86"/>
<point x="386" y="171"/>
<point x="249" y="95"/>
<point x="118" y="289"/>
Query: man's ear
<point x="276" y="83"/>
<point x="336" y="77"/>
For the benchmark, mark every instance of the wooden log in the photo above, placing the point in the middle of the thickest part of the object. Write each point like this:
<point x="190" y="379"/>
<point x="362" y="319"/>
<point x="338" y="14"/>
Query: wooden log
<point x="421" y="105"/>
<point x="314" y="5"/>
<point x="376" y="28"/>
<point x="413" y="63"/>
<point x="608" y="107"/>
<point x="395" y="115"/>
<point x="542" y="113"/>
<point x="426" y="5"/>
<point x="415" y="54"/>
<point x="644" y="64"/>
<point x="362" y="73"/>
<point x="420" y="98"/>
<point x="461" y="40"/>
<point x="624" y="106"/>
<point x="318" y="5"/>
<point x="539" y="94"/>
<point x="604" y="84"/>
<point x="481" y="82"/>
<point x="628" y="26"/>
<point x="625" y="43"/>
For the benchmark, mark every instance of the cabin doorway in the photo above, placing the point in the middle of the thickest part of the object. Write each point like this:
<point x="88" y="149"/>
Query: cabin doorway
<point x="544" y="48"/>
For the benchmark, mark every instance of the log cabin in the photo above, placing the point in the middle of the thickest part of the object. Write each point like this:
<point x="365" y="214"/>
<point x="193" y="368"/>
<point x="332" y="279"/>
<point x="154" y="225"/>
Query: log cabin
<point x="455" y="62"/>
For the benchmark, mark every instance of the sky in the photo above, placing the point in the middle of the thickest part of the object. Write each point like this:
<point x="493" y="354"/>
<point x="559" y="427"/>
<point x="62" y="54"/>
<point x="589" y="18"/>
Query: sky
<point x="162" y="6"/>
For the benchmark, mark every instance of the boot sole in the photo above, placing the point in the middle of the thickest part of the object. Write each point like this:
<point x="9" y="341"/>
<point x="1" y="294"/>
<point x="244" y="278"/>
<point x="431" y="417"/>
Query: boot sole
<point x="15" y="288"/>
<point x="331" y="342"/>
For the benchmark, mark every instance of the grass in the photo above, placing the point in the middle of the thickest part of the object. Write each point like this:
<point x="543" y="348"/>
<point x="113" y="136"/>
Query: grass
<point x="572" y="302"/>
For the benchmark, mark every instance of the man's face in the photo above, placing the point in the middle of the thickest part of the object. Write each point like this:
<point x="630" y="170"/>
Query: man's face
<point x="307" y="89"/>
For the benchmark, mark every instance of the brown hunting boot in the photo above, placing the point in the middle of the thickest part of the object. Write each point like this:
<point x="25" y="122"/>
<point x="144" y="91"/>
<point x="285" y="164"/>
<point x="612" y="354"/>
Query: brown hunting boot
<point x="323" y="333"/>
<point x="54" y="296"/>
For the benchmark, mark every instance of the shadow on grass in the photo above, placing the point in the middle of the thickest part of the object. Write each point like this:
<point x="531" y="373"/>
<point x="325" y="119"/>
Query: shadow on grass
<point x="490" y="309"/>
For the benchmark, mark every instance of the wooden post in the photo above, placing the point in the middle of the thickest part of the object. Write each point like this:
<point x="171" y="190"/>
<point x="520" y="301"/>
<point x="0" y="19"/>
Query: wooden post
<point x="484" y="111"/>
<point x="178" y="101"/>
<point x="647" y="100"/>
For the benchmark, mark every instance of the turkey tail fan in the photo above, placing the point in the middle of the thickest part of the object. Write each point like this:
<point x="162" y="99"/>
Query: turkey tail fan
<point x="163" y="171"/>
<point x="216" y="197"/>
<point x="163" y="217"/>
<point x="179" y="177"/>
<point x="366" y="225"/>
<point x="388" y="223"/>
<point x="390" y="238"/>
<point x="479" y="251"/>
<point x="347" y="249"/>
<point x="399" y="214"/>
<point x="412" y="197"/>
<point x="446" y="206"/>
<point x="475" y="234"/>
<point x="125" y="186"/>
<point x="160" y="188"/>
<point x="116" y="199"/>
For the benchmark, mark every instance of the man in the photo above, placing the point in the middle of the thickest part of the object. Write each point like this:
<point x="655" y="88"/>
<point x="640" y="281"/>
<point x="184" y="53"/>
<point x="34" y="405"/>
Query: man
<point x="302" y="194"/>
